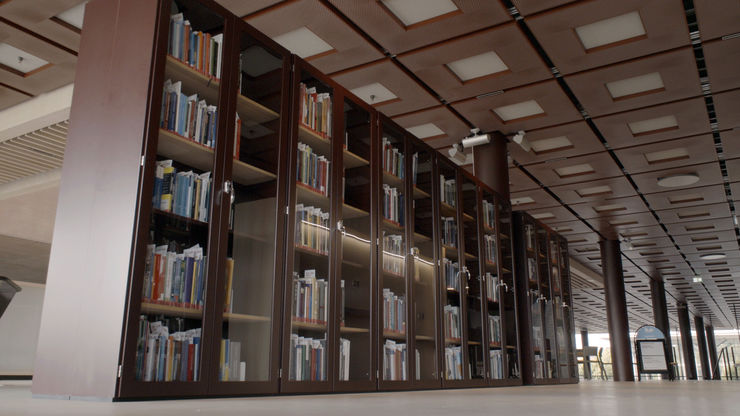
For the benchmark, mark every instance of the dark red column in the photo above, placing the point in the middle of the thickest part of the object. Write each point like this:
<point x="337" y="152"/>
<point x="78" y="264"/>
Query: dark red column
<point x="616" y="311"/>
<point x="491" y="164"/>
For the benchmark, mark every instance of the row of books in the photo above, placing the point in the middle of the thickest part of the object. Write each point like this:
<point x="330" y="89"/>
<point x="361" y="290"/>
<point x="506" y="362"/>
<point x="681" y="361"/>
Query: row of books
<point x="175" y="278"/>
<point x="539" y="366"/>
<point x="344" y="346"/>
<point x="393" y="205"/>
<point x="451" y="271"/>
<point x="447" y="191"/>
<point x="186" y="194"/>
<point x="489" y="214"/>
<point x="453" y="363"/>
<point x="492" y="287"/>
<point x="494" y="328"/>
<point x="394" y="260"/>
<point x="449" y="231"/>
<point x="307" y="358"/>
<point x="312" y="229"/>
<point x="201" y="51"/>
<point x="310" y="298"/>
<point x="532" y="269"/>
<point x="489" y="244"/>
<point x="188" y="116"/>
<point x="453" y="324"/>
<point x="496" y="359"/>
<point x="393" y="161"/>
<point x="316" y="110"/>
<point x="231" y="368"/>
<point x="395" y="361"/>
<point x="313" y="169"/>
<point x="165" y="356"/>
<point x="394" y="312"/>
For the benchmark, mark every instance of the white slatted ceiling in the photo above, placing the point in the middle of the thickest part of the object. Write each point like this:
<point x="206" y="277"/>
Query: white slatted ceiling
<point x="33" y="153"/>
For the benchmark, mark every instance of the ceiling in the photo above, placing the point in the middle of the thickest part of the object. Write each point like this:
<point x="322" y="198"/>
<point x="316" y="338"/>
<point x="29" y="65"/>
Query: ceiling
<point x="607" y="116"/>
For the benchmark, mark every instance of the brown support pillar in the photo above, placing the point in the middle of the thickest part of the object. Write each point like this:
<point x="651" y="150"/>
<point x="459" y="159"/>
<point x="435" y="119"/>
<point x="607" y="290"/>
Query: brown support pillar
<point x="660" y="315"/>
<point x="616" y="311"/>
<point x="586" y="357"/>
<point x="712" y="347"/>
<point x="491" y="164"/>
<point x="684" y="324"/>
<point x="701" y="340"/>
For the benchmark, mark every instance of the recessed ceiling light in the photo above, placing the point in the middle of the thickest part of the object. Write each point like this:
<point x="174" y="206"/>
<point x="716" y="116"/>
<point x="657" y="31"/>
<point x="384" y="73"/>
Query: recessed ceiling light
<point x="713" y="256"/>
<point x="609" y="208"/>
<point x="521" y="201"/>
<point x="612" y="30"/>
<point x="575" y="170"/>
<point x="73" y="16"/>
<point x="19" y="60"/>
<point x="669" y="155"/>
<point x="477" y="66"/>
<point x="682" y="199"/>
<point x="683" y="179"/>
<point x="410" y="12"/>
<point x="626" y="88"/>
<point x="653" y="125"/>
<point x="374" y="93"/>
<point x="423" y="131"/>
<point x="519" y="110"/>
<point x="562" y="229"/>
<point x="543" y="215"/>
<point x="697" y="279"/>
<point x="594" y="190"/>
<point x="303" y="42"/>
<point x="553" y="144"/>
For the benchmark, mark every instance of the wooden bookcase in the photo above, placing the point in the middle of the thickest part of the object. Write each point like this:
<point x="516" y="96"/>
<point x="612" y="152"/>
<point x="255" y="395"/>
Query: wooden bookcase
<point x="307" y="243"/>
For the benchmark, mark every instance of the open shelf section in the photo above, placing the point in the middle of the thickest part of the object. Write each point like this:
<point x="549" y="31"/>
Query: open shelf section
<point x="394" y="335"/>
<point x="310" y="196"/>
<point x="241" y="317"/>
<point x="169" y="310"/>
<point x="192" y="80"/>
<point x="322" y="146"/>
<point x="308" y="326"/>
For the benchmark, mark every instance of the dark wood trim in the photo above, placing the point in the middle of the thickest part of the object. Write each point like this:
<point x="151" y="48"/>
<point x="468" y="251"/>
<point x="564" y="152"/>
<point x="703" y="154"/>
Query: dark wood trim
<point x="656" y="131"/>
<point x="37" y="36"/>
<point x="320" y="55"/>
<point x="10" y="87"/>
<point x="637" y="94"/>
<point x="65" y="25"/>
<point x="268" y="9"/>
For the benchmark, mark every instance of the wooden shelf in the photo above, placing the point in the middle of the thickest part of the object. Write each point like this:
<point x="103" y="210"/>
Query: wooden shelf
<point x="240" y="317"/>
<point x="421" y="237"/>
<point x="310" y="197"/>
<point x="474" y="343"/>
<point x="308" y="326"/>
<point x="392" y="274"/>
<point x="250" y="110"/>
<point x="322" y="146"/>
<point x="450" y="211"/>
<point x="450" y="252"/>
<point x="392" y="224"/>
<point x="424" y="338"/>
<point x="488" y="229"/>
<point x="156" y="308"/>
<point x="454" y="341"/>
<point x="394" y="334"/>
<point x="352" y="160"/>
<point x="246" y="174"/>
<point x="352" y="330"/>
<point x="310" y="251"/>
<point x="396" y="182"/>
<point x="349" y="212"/>
<point x="495" y="345"/>
<point x="192" y="81"/>
<point x="189" y="221"/>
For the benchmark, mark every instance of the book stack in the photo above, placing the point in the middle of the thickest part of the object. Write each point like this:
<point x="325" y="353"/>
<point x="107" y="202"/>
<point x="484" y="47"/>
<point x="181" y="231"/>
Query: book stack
<point x="165" y="356"/>
<point x="489" y="215"/>
<point x="453" y="362"/>
<point x="447" y="191"/>
<point x="497" y="363"/>
<point x="313" y="169"/>
<point x="316" y="110"/>
<point x="449" y="231"/>
<point x="394" y="361"/>
<point x="344" y="345"/>
<point x="494" y="328"/>
<point x="394" y="312"/>
<point x="231" y="368"/>
<point x="532" y="269"/>
<point x="453" y="331"/>
<point x="489" y="241"/>
<point x="393" y="161"/>
<point x="310" y="298"/>
<point x="312" y="229"/>
<point x="492" y="287"/>
<point x="186" y="194"/>
<point x="539" y="366"/>
<point x="307" y="358"/>
<point x="201" y="51"/>
<point x="451" y="272"/>
<point x="393" y="209"/>
<point x="175" y="278"/>
<point x="394" y="261"/>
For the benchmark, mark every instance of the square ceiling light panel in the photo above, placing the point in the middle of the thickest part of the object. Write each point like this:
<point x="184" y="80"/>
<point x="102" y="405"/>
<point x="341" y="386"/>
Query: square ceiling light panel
<point x="374" y="94"/>
<point x="653" y="125"/>
<point x="73" y="16"/>
<point x="427" y="130"/>
<point x="411" y="12"/>
<point x="303" y="42"/>
<point x="668" y="155"/>
<point x="19" y="61"/>
<point x="477" y="66"/>
<point x="553" y="144"/>
<point x="611" y="31"/>
<point x="519" y="111"/>
<point x="635" y="86"/>
<point x="575" y="170"/>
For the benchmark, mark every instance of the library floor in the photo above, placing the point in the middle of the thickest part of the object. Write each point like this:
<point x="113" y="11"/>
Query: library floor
<point x="589" y="398"/>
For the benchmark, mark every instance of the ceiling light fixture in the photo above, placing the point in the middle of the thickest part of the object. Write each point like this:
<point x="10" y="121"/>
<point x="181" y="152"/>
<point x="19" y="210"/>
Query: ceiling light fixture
<point x="628" y="244"/>
<point x="697" y="279"/>
<point x="521" y="141"/>
<point x="456" y="153"/>
<point x="713" y="256"/>
<point x="476" y="139"/>
<point x="682" y="179"/>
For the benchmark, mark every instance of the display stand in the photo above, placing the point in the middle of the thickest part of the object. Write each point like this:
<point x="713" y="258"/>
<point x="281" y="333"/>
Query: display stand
<point x="651" y="352"/>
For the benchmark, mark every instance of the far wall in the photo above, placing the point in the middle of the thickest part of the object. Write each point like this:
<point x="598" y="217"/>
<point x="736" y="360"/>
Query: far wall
<point x="19" y="330"/>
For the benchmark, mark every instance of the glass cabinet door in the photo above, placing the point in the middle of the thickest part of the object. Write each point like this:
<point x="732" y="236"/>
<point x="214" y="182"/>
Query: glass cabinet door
<point x="557" y="299"/>
<point x="355" y="270"/>
<point x="507" y="287"/>
<point x="308" y="286"/>
<point x="546" y="305"/>
<point x="493" y="284"/>
<point x="169" y="347"/>
<point x="450" y="271"/>
<point x="535" y="298"/>
<point x="392" y="277"/>
<point x="474" y="291"/>
<point x="424" y="282"/>
<point x="570" y="334"/>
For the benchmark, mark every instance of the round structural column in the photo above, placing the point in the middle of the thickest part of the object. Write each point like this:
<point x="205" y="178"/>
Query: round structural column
<point x="701" y="340"/>
<point x="586" y="357"/>
<point x="712" y="347"/>
<point x="616" y="310"/>
<point x="491" y="164"/>
<point x="687" y="345"/>
<point x="660" y="314"/>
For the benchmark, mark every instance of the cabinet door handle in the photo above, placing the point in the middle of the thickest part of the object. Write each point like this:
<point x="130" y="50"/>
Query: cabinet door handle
<point x="229" y="189"/>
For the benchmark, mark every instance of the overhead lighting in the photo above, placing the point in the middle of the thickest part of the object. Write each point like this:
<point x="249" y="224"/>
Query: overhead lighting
<point x="477" y="66"/>
<point x="712" y="256"/>
<point x="374" y="93"/>
<point x="456" y="154"/>
<point x="697" y="279"/>
<point x="519" y="110"/>
<point x="543" y="216"/>
<point x="683" y="179"/>
<point x="575" y="170"/>
<point x="476" y="139"/>
<point x="303" y="42"/>
<point x="594" y="190"/>
<point x="552" y="144"/>
<point x="521" y="201"/>
<point x="409" y="12"/>
<point x="635" y="85"/>
<point x="669" y="155"/>
<point x="424" y="131"/>
<point x="521" y="140"/>
<point x="73" y="16"/>
<point x="653" y="125"/>
<point x="19" y="60"/>
<point x="612" y="30"/>
<point x="609" y="208"/>
<point x="627" y="244"/>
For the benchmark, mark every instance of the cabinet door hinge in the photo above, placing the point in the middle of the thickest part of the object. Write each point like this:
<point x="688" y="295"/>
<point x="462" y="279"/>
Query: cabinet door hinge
<point x="143" y="157"/>
<point x="377" y="374"/>
<point x="287" y="210"/>
<point x="120" y="369"/>
<point x="280" y="373"/>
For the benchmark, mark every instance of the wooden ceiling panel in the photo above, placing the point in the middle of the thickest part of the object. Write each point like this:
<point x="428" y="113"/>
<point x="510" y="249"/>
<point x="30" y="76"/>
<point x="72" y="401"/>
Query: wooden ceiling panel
<point x="529" y="7"/>
<point x="700" y="227"/>
<point x="670" y="216"/>
<point x="651" y="243"/>
<point x="575" y="169"/>
<point x="518" y="181"/>
<point x="551" y="215"/>
<point x="376" y="19"/>
<point x="9" y="97"/>
<point x="664" y="23"/>
<point x="733" y="171"/>
<point x="586" y="239"/>
<point x="709" y="174"/>
<point x="610" y="207"/>
<point x="732" y="255"/>
<point x="243" y="8"/>
<point x="411" y="96"/>
<point x="717" y="17"/>
<point x="730" y="143"/>
<point x="710" y="247"/>
<point x="582" y="141"/>
<point x="651" y="253"/>
<point x="38" y="19"/>
<point x="540" y="199"/>
<point x="677" y="70"/>
<point x="691" y="117"/>
<point x="454" y="129"/>
<point x="350" y="48"/>
<point x="571" y="227"/>
<point x="556" y="107"/>
<point x="705" y="238"/>
<point x="661" y="263"/>
<point x="611" y="188"/>
<point x="721" y="57"/>
<point x="689" y="151"/>
<point x="711" y="194"/>
<point x="507" y="41"/>
<point x="631" y="226"/>
<point x="726" y="104"/>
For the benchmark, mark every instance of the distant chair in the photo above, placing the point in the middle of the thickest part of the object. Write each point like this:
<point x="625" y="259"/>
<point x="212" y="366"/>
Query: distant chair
<point x="602" y="364"/>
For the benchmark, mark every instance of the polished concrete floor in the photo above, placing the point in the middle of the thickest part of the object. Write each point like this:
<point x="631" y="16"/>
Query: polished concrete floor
<point x="590" y="398"/>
